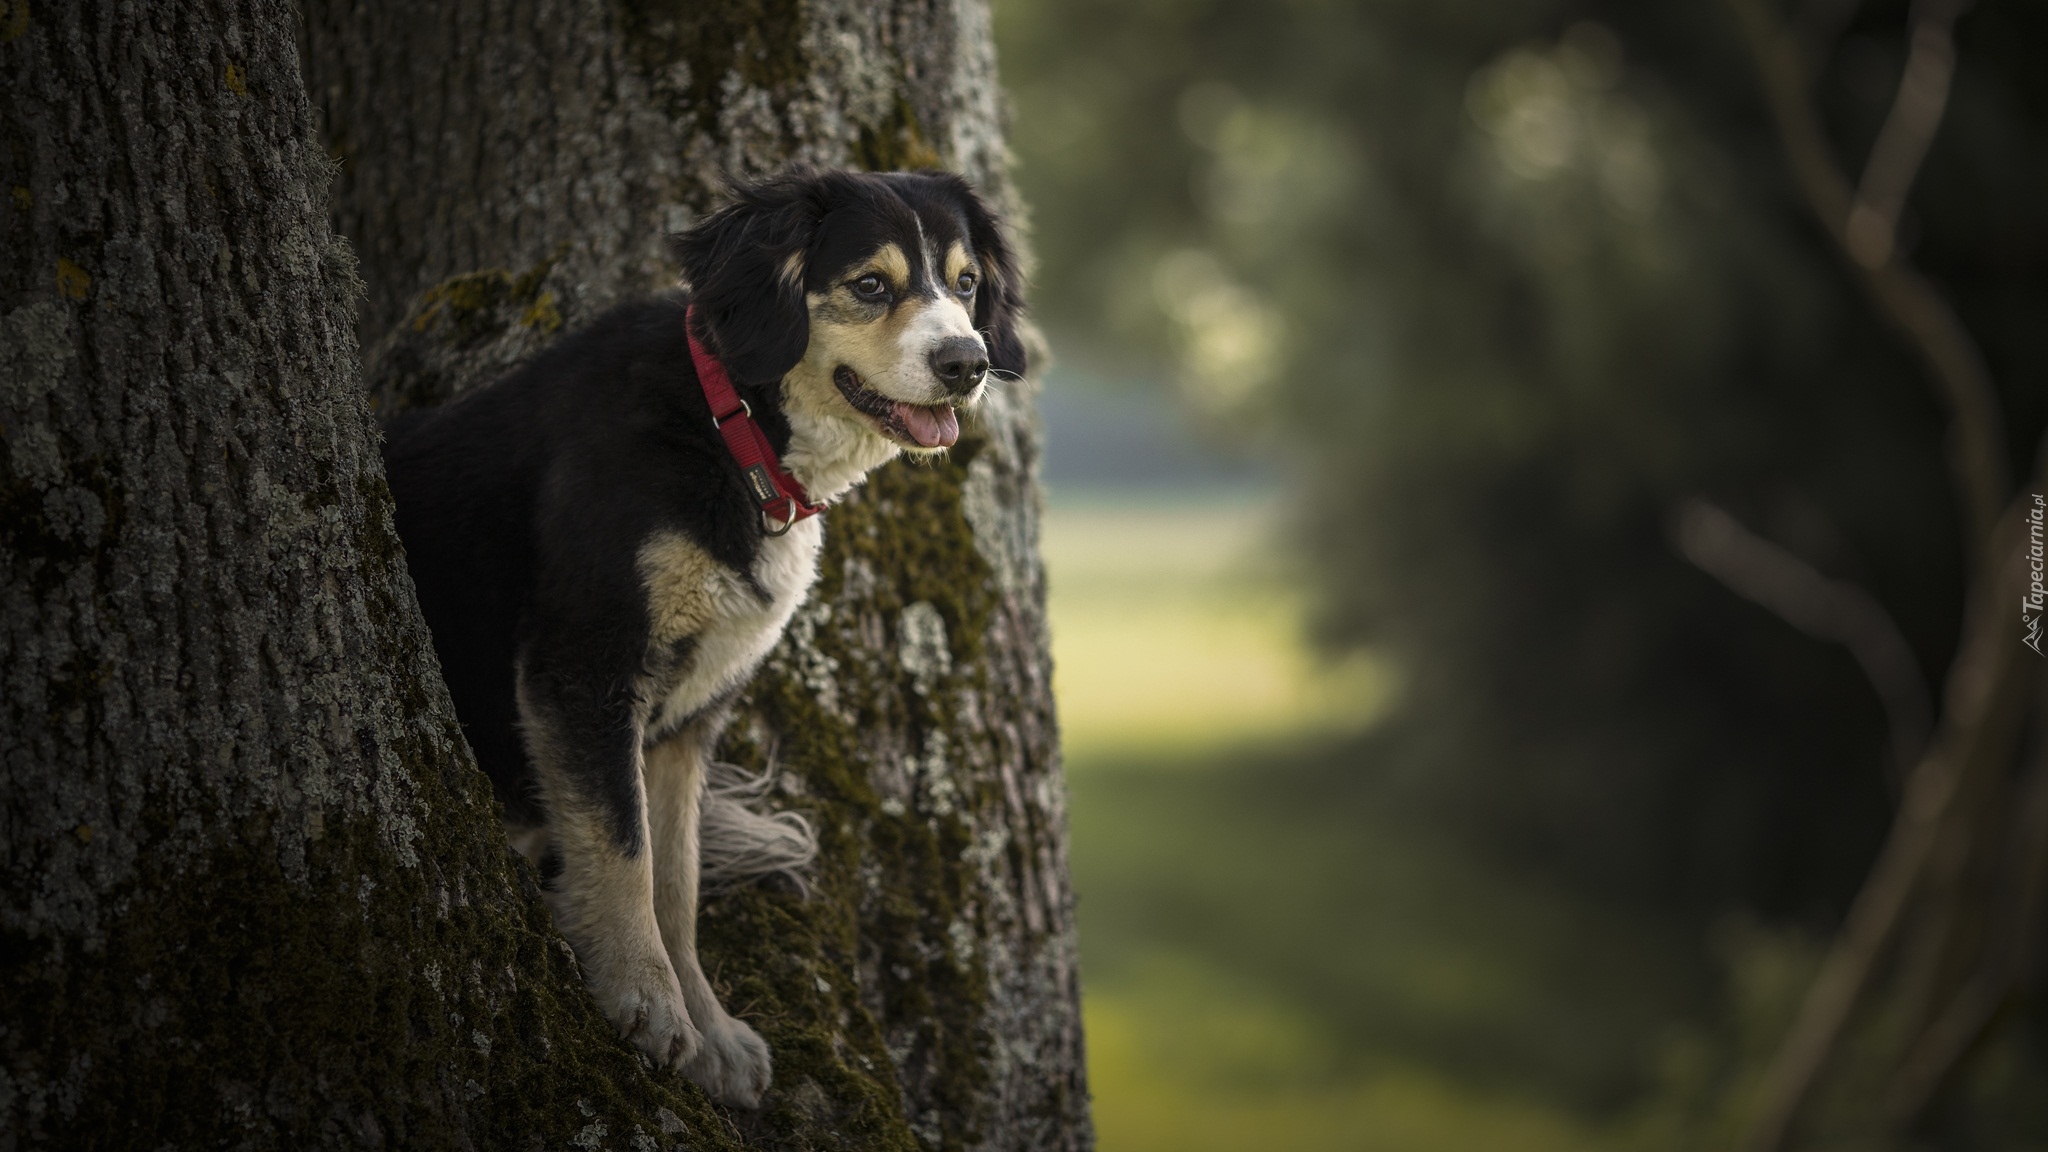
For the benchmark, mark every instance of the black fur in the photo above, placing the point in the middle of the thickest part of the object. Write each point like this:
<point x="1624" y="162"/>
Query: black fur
<point x="755" y="319"/>
<point x="523" y="505"/>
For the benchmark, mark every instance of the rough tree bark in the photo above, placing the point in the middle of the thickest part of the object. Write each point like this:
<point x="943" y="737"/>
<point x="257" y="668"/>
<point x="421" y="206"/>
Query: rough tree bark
<point x="254" y="888"/>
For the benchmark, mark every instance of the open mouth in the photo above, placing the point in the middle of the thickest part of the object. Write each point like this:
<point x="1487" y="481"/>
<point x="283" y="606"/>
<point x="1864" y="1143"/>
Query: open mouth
<point x="925" y="425"/>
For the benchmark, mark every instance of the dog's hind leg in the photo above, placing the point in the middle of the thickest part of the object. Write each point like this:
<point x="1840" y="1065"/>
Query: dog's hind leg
<point x="732" y="1062"/>
<point x="587" y="759"/>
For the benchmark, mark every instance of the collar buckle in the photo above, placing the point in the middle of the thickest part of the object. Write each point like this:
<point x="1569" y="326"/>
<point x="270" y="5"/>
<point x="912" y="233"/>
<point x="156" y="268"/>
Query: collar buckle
<point x="766" y="480"/>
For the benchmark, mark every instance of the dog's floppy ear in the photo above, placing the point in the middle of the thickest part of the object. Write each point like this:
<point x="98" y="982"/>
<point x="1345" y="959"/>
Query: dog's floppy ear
<point x="745" y="267"/>
<point x="999" y="301"/>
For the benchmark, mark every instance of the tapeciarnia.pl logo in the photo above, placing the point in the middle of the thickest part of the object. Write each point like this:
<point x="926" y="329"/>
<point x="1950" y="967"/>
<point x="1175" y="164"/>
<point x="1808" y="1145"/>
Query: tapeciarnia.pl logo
<point x="2032" y="603"/>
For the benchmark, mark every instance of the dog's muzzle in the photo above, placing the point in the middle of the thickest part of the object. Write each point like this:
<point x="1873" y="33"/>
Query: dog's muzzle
<point x="960" y="363"/>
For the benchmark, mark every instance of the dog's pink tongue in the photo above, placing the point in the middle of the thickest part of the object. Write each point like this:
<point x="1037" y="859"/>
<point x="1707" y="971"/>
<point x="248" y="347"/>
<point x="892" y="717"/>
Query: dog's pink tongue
<point x="935" y="427"/>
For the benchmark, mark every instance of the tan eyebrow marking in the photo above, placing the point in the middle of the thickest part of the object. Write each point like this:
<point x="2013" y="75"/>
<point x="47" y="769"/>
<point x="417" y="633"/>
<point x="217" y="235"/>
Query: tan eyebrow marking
<point x="957" y="261"/>
<point x="893" y="264"/>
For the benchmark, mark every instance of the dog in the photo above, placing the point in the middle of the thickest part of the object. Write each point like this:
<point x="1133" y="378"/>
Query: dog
<point x="607" y="541"/>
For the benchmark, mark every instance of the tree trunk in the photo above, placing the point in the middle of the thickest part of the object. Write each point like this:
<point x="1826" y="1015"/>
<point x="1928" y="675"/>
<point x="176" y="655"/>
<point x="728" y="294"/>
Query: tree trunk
<point x="928" y="989"/>
<point x="255" y="891"/>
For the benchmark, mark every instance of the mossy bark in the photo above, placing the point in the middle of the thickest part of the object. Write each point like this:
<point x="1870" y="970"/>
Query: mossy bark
<point x="252" y="888"/>
<point x="925" y="995"/>
<point x="252" y="893"/>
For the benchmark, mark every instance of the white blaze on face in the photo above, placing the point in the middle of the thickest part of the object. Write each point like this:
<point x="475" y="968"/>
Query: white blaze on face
<point x="943" y="316"/>
<point x="952" y="314"/>
<point x="867" y="383"/>
<point x="926" y="314"/>
<point x="941" y="319"/>
<point x="923" y="410"/>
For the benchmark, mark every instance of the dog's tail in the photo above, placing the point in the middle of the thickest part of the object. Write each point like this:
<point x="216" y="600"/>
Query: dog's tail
<point x="738" y="841"/>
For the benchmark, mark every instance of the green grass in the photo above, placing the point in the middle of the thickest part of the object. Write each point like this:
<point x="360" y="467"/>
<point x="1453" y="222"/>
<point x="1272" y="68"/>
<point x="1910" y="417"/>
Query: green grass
<point x="1347" y="955"/>
<point x="1278" y="953"/>
<point x="1191" y="1062"/>
<point x="1174" y="633"/>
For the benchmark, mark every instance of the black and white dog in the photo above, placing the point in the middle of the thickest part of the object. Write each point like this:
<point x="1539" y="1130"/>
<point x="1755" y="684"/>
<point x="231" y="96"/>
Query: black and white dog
<point x="607" y="541"/>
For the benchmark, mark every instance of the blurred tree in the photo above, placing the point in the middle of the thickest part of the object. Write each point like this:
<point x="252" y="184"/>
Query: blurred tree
<point x="1954" y="899"/>
<point x="1506" y="281"/>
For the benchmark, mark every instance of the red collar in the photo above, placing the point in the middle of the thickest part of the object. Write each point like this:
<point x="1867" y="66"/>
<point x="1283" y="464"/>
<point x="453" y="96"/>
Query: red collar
<point x="783" y="500"/>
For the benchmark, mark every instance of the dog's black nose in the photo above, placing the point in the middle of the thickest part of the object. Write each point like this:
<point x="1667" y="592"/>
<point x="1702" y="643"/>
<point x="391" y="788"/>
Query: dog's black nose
<point x="960" y="362"/>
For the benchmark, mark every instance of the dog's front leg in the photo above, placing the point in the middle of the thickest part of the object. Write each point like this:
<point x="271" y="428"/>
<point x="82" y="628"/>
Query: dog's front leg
<point x="732" y="1063"/>
<point x="586" y="752"/>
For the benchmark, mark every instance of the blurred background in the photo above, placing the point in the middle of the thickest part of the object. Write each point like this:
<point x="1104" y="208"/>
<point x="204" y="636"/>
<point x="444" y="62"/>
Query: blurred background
<point x="1424" y="794"/>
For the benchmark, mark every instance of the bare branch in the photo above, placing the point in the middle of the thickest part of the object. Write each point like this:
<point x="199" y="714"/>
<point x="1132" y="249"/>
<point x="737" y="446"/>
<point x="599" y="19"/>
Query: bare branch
<point x="1871" y="231"/>
<point x="2016" y="923"/>
<point x="1977" y="454"/>
<point x="1784" y="77"/>
<point x="1983" y="710"/>
<point x="1985" y="697"/>
<point x="1826" y="609"/>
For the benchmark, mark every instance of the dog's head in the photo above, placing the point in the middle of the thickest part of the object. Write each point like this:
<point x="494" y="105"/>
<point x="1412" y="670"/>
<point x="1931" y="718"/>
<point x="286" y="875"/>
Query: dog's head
<point x="880" y="301"/>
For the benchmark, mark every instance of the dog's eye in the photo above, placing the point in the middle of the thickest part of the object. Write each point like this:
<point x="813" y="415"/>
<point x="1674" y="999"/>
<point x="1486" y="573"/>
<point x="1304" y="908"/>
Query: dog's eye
<point x="871" y="286"/>
<point x="965" y="284"/>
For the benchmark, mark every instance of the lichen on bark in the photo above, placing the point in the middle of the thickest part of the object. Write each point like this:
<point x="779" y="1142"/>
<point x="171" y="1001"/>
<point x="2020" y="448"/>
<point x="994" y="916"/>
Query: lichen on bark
<point x="254" y="892"/>
<point x="255" y="888"/>
<point x="925" y="995"/>
<point x="907" y="709"/>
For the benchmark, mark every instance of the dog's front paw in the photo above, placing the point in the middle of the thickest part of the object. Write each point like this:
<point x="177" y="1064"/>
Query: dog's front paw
<point x="648" y="1010"/>
<point x="732" y="1063"/>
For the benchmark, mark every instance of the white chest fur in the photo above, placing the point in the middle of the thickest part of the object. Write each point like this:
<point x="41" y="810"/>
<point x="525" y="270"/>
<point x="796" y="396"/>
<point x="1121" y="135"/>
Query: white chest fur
<point x="720" y="624"/>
